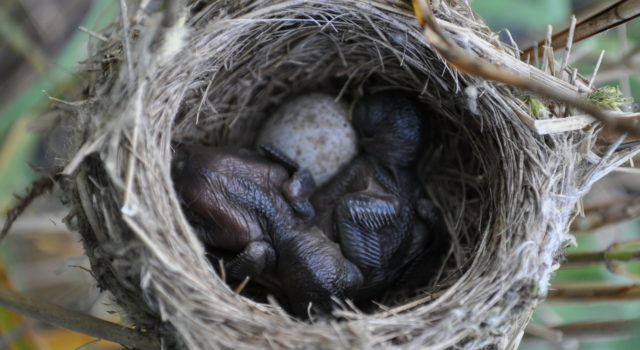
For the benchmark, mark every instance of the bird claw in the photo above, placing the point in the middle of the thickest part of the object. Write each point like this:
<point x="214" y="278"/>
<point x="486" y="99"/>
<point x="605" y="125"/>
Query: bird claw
<point x="297" y="190"/>
<point x="256" y="258"/>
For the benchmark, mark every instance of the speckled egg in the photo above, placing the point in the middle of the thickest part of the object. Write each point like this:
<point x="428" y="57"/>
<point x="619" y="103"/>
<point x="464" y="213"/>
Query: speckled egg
<point x="313" y="130"/>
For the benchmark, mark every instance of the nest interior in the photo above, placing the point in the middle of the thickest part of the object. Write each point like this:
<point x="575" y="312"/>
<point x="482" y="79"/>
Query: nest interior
<point x="215" y="75"/>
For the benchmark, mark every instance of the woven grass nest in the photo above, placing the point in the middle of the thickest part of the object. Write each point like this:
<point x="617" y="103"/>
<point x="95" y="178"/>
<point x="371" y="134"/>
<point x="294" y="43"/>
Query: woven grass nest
<point x="214" y="75"/>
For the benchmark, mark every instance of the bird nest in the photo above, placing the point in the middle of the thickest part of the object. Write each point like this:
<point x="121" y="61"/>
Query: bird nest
<point x="214" y="72"/>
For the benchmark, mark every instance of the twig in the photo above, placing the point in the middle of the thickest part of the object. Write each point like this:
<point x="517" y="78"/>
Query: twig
<point x="546" y="55"/>
<point x="590" y="331"/>
<point x="93" y="34"/>
<point x="597" y="330"/>
<point x="409" y="305"/>
<point x="609" y="257"/>
<point x="612" y="16"/>
<point x="464" y="61"/>
<point x="241" y="286"/>
<point x="543" y="332"/>
<point x="38" y="188"/>
<point x="75" y="321"/>
<point x="513" y="44"/>
<point x="596" y="68"/>
<point x="569" y="44"/>
<point x="606" y="213"/>
<point x="594" y="292"/>
<point x="125" y="42"/>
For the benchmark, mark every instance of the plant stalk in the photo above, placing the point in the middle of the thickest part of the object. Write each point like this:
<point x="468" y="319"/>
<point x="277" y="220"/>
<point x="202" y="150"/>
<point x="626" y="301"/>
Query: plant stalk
<point x="594" y="292"/>
<point x="76" y="321"/>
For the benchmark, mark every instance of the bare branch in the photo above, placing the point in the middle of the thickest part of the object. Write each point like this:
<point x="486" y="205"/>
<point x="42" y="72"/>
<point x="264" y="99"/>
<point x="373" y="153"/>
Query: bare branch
<point x="38" y="188"/>
<point x="542" y="332"/>
<point x="610" y="17"/>
<point x="124" y="19"/>
<point x="75" y="321"/>
<point x="611" y="257"/>
<point x="589" y="331"/>
<point x="585" y="292"/>
<point x="606" y="213"/>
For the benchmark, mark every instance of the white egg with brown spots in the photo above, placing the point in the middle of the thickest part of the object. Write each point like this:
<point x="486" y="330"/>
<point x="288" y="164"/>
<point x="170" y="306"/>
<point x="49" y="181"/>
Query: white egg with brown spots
<point x="314" y="131"/>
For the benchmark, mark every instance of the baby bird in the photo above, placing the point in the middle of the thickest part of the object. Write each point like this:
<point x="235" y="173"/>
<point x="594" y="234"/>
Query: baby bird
<point x="251" y="206"/>
<point x="370" y="208"/>
<point x="389" y="128"/>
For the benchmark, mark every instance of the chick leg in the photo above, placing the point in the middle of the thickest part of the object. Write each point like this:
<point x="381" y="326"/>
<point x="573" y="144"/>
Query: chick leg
<point x="299" y="187"/>
<point x="257" y="258"/>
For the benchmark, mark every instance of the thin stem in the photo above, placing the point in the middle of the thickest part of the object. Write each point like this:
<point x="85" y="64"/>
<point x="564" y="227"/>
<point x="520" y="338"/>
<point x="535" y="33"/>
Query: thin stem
<point x="75" y="321"/>
<point x="543" y="332"/>
<point x="569" y="45"/>
<point x="38" y="187"/>
<point x="606" y="213"/>
<point x="581" y="259"/>
<point x="589" y="331"/>
<point x="608" y="257"/>
<point x="124" y="19"/>
<point x="594" y="292"/>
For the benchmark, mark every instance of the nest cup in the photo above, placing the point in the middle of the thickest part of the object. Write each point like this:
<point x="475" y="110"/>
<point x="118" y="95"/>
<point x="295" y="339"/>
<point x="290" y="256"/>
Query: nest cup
<point x="216" y="73"/>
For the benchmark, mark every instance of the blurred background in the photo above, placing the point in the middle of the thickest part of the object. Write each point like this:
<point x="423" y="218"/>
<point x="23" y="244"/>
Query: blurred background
<point x="595" y="304"/>
<point x="41" y="45"/>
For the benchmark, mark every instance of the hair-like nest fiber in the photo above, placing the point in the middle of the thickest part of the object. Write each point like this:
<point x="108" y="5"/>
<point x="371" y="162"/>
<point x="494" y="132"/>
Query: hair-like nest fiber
<point x="507" y="194"/>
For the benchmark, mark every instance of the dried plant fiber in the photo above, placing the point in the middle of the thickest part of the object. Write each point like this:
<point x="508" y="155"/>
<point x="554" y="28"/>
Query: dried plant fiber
<point x="214" y="75"/>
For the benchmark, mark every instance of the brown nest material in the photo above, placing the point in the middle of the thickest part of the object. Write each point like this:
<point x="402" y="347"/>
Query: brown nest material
<point x="215" y="72"/>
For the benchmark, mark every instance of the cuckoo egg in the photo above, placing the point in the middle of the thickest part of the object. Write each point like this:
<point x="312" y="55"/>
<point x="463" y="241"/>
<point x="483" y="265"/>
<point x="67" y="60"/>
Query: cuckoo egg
<point x="313" y="130"/>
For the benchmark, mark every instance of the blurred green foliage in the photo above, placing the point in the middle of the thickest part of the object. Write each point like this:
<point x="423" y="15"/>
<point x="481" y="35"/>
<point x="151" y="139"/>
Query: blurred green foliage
<point x="18" y="144"/>
<point x="58" y="79"/>
<point x="525" y="18"/>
